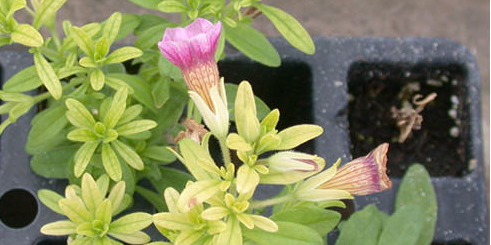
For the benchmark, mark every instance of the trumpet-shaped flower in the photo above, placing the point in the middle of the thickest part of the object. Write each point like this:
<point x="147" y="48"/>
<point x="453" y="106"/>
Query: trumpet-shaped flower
<point x="192" y="49"/>
<point x="362" y="176"/>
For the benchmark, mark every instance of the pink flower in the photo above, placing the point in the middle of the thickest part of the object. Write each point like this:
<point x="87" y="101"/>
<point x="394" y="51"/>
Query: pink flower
<point x="192" y="49"/>
<point x="364" y="175"/>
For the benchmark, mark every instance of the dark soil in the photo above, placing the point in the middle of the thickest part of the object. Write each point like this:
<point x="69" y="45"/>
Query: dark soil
<point x="374" y="90"/>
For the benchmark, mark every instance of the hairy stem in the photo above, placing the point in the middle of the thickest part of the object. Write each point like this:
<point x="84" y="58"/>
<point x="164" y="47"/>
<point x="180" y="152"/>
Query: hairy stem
<point x="225" y="152"/>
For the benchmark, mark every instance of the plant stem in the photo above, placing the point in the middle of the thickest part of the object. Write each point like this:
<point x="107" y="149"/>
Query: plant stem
<point x="225" y="152"/>
<point x="272" y="201"/>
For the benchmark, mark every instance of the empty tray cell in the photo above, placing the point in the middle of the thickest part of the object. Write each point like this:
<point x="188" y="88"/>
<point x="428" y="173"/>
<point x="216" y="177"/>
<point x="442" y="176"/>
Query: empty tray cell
<point x="442" y="143"/>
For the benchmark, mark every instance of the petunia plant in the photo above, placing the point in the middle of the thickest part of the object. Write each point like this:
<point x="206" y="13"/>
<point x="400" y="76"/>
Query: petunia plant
<point x="218" y="206"/>
<point x="110" y="117"/>
<point x="90" y="214"/>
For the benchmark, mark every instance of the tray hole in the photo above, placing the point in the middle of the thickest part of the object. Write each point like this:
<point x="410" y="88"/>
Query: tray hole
<point x="288" y="88"/>
<point x="345" y="212"/>
<point x="374" y="89"/>
<point x="18" y="208"/>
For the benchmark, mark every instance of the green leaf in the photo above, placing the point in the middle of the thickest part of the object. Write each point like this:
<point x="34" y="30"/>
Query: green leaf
<point x="91" y="195"/>
<point x="151" y="4"/>
<point x="117" y="84"/>
<point x="253" y="44"/>
<point x="289" y="27"/>
<point x="50" y="199"/>
<point x="135" y="127"/>
<point x="45" y="10"/>
<point x="47" y="75"/>
<point x="78" y="115"/>
<point x="123" y="54"/>
<point x="128" y="154"/>
<point x="53" y="163"/>
<point x="27" y="35"/>
<point x="155" y="199"/>
<point x="231" y="90"/>
<point x="111" y="163"/>
<point x="170" y="178"/>
<point x="416" y="189"/>
<point x="59" y="228"/>
<point x="4" y="41"/>
<point x="319" y="219"/>
<point x="296" y="135"/>
<point x="141" y="89"/>
<point x="83" y="156"/>
<point x="151" y="36"/>
<point x="129" y="23"/>
<point x="403" y="227"/>
<point x="131" y="223"/>
<point x="147" y="21"/>
<point x="116" y="110"/>
<point x="46" y="130"/>
<point x="220" y="46"/>
<point x="97" y="79"/>
<point x="159" y="153"/>
<point x="112" y="26"/>
<point x="288" y="234"/>
<point x="83" y="40"/>
<point x="172" y="6"/>
<point x="160" y="91"/>
<point x="363" y="227"/>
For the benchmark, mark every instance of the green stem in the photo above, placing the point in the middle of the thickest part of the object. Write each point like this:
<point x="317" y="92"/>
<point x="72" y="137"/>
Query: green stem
<point x="225" y="152"/>
<point x="272" y="201"/>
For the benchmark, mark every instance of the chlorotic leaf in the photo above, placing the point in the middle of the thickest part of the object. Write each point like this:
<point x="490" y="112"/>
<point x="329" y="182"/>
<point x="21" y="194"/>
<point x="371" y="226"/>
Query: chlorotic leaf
<point x="47" y="75"/>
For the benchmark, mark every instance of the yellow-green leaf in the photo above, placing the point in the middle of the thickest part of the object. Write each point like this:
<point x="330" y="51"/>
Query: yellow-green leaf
<point x="131" y="223"/>
<point x="128" y="154"/>
<point x="111" y="163"/>
<point x="59" y="228"/>
<point x="27" y="35"/>
<point x="112" y="26"/>
<point x="97" y="79"/>
<point x="83" y="156"/>
<point x="123" y="54"/>
<point x="47" y="75"/>
<point x="45" y="10"/>
<point x="294" y="136"/>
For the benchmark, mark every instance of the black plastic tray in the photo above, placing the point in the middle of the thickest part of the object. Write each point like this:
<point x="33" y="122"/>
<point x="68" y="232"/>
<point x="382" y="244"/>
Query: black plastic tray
<point x="306" y="89"/>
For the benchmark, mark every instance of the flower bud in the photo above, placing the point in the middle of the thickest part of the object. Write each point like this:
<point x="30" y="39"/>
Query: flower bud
<point x="293" y="161"/>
